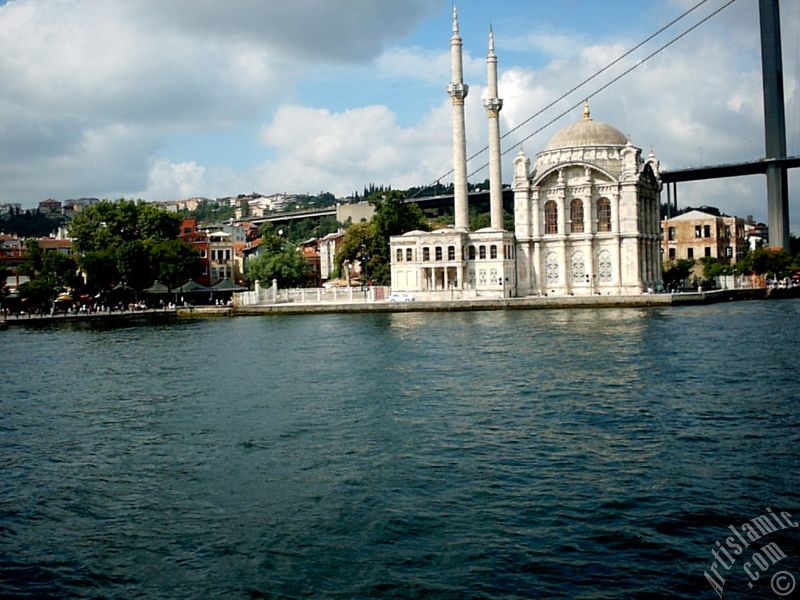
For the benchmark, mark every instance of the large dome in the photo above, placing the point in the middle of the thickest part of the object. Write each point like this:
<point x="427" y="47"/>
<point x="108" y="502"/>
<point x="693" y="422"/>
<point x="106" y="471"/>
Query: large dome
<point x="587" y="132"/>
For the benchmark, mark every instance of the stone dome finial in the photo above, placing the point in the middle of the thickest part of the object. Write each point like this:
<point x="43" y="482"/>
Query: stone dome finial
<point x="587" y="115"/>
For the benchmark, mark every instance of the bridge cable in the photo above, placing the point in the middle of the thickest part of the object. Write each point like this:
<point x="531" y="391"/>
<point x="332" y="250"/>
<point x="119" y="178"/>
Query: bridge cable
<point x="574" y="88"/>
<point x="612" y="81"/>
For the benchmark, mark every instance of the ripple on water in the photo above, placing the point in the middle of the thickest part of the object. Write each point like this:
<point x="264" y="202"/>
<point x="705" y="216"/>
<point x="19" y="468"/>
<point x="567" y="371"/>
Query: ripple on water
<point x="575" y="454"/>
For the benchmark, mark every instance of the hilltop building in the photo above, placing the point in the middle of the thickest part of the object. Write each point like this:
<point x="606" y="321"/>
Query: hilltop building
<point x="586" y="217"/>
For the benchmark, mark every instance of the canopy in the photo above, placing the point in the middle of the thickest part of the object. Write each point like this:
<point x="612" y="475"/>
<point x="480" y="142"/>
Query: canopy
<point x="191" y="286"/>
<point x="157" y="288"/>
<point x="226" y="285"/>
<point x="122" y="287"/>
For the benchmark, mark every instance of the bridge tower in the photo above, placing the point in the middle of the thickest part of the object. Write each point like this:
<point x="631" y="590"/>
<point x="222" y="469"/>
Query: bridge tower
<point x="774" y="123"/>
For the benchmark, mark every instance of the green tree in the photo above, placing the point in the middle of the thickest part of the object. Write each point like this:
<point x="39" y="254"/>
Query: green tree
<point x="173" y="262"/>
<point x="766" y="261"/>
<point x="356" y="244"/>
<point x="50" y="273"/>
<point x="677" y="272"/>
<point x="369" y="242"/>
<point x="4" y="274"/>
<point x="133" y="263"/>
<point x="287" y="265"/>
<point x="134" y="242"/>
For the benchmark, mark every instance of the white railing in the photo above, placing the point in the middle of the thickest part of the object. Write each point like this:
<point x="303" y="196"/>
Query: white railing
<point x="332" y="295"/>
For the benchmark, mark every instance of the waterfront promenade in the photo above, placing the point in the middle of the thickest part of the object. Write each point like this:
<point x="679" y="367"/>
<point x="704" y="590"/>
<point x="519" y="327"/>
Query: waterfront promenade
<point x="483" y="304"/>
<point x="527" y="303"/>
<point x="100" y="317"/>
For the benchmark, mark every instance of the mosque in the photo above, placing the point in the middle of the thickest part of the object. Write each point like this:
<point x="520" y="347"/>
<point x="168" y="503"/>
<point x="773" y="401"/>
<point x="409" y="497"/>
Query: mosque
<point x="586" y="217"/>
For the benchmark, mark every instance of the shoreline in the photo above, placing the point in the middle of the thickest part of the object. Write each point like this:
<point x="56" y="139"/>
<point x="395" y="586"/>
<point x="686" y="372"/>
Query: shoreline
<point x="527" y="303"/>
<point x="488" y="304"/>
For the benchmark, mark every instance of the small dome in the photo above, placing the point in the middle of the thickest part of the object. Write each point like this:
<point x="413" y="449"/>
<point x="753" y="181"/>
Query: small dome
<point x="587" y="132"/>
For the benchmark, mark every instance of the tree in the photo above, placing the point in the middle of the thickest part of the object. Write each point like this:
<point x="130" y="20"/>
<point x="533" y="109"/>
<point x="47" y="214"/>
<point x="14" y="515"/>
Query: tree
<point x="134" y="242"/>
<point x="766" y="261"/>
<point x="369" y="242"/>
<point x="50" y="273"/>
<point x="355" y="245"/>
<point x="677" y="272"/>
<point x="286" y="265"/>
<point x="4" y="273"/>
<point x="133" y="263"/>
<point x="173" y="262"/>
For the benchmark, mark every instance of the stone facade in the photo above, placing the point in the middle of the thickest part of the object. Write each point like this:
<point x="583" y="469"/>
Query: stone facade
<point x="697" y="234"/>
<point x="586" y="218"/>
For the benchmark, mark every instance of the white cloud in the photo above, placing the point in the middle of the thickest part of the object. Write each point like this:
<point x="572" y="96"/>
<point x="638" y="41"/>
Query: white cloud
<point x="341" y="152"/>
<point x="76" y="73"/>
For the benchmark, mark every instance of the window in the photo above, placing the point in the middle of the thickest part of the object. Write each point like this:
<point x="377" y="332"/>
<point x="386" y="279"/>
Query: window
<point x="203" y="253"/>
<point x="727" y="231"/>
<point x="707" y="231"/>
<point x="492" y="251"/>
<point x="472" y="252"/>
<point x="482" y="252"/>
<point x="550" y="217"/>
<point x="578" y="267"/>
<point x="438" y="252"/>
<point x="451" y="253"/>
<point x="426" y="253"/>
<point x="604" y="214"/>
<point x="729" y="251"/>
<point x="697" y="231"/>
<point x="690" y="253"/>
<point x="708" y="251"/>
<point x="399" y="255"/>
<point x="409" y="255"/>
<point x="576" y="215"/>
<point x="671" y="234"/>
<point x="672" y="253"/>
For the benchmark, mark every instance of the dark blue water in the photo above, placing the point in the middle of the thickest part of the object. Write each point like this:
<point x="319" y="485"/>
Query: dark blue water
<point x="553" y="454"/>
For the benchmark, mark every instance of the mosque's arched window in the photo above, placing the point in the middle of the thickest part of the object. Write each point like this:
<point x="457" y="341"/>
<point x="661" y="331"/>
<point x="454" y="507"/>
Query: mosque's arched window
<point x="426" y="253"/>
<point x="576" y="215"/>
<point x="399" y="255"/>
<point x="604" y="214"/>
<point x="492" y="251"/>
<point x="482" y="252"/>
<point x="438" y="253"/>
<point x="472" y="252"/>
<point x="409" y="255"/>
<point x="550" y="217"/>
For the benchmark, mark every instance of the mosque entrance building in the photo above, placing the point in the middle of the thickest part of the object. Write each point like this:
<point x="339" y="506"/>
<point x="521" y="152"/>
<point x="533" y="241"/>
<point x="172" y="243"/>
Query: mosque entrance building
<point x="586" y="217"/>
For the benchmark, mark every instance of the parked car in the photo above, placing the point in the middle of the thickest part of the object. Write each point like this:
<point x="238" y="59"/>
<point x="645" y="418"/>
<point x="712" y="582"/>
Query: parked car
<point x="400" y="297"/>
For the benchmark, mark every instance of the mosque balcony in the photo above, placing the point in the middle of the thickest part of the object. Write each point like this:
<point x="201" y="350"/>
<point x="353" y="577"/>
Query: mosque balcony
<point x="493" y="105"/>
<point x="458" y="91"/>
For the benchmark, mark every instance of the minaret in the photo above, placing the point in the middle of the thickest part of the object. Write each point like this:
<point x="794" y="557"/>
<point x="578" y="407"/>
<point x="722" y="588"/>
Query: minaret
<point x="458" y="91"/>
<point x="493" y="105"/>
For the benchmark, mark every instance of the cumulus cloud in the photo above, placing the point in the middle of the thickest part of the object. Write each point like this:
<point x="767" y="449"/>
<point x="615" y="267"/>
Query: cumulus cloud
<point x="340" y="152"/>
<point x="76" y="73"/>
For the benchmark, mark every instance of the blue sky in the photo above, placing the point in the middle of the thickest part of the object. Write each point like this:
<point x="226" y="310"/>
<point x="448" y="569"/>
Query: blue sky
<point x="167" y="100"/>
